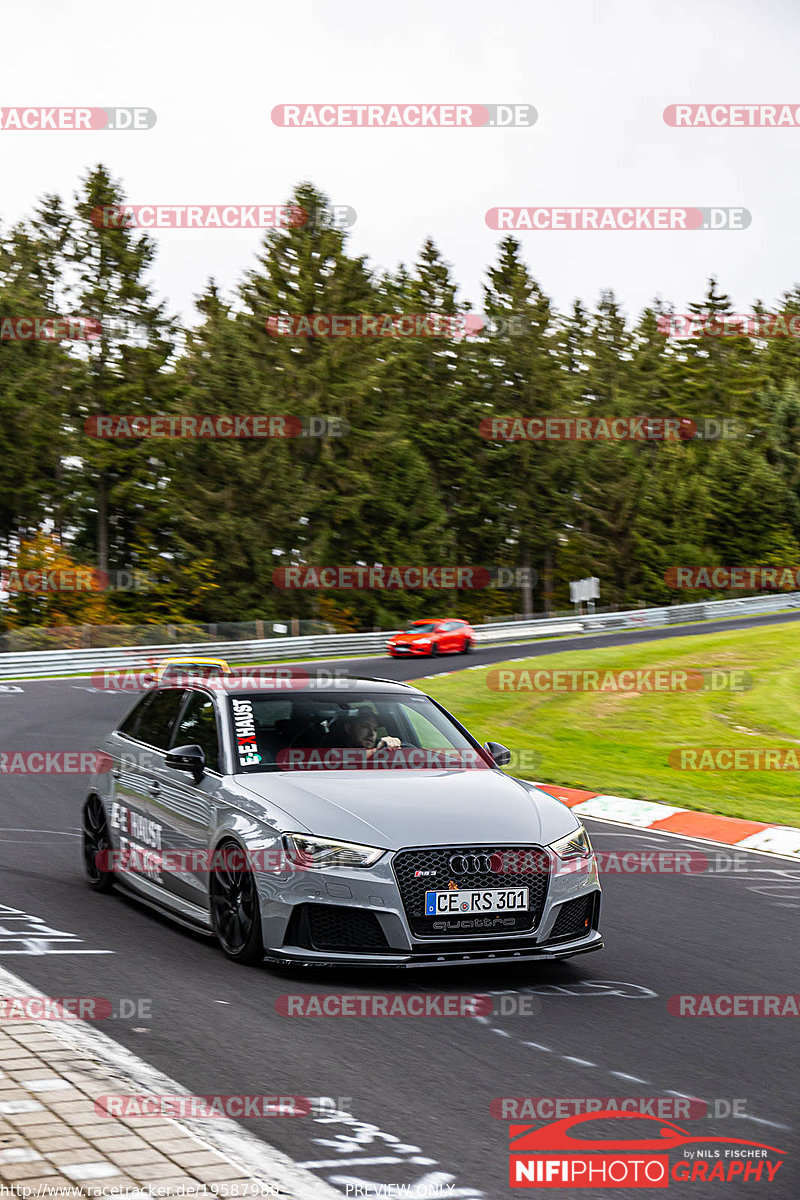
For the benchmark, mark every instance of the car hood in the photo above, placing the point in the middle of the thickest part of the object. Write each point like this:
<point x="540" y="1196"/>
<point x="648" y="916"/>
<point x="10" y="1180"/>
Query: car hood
<point x="393" y="809"/>
<point x="408" y="637"/>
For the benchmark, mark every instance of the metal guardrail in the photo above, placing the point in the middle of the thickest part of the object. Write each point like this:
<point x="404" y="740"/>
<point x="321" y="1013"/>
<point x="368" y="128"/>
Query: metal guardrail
<point x="41" y="663"/>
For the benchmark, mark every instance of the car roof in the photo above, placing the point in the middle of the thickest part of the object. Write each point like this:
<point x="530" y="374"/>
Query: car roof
<point x="371" y="683"/>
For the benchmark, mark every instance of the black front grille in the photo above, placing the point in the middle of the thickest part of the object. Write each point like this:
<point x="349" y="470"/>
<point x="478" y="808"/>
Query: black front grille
<point x="574" y="918"/>
<point x="335" y="927"/>
<point x="519" y="866"/>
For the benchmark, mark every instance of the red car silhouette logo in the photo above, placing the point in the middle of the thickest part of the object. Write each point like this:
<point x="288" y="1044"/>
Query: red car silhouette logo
<point x="527" y="1139"/>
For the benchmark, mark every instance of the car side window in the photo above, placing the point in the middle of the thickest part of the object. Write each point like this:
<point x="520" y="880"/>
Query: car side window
<point x="198" y="727"/>
<point x="130" y="725"/>
<point x="156" y="721"/>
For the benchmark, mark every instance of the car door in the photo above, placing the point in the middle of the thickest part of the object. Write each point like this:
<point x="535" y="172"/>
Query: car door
<point x="447" y="641"/>
<point x="183" y="809"/>
<point x="141" y="741"/>
<point x="458" y="635"/>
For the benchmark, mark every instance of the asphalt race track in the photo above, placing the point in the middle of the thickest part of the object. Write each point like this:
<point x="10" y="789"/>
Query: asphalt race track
<point x="419" y="1089"/>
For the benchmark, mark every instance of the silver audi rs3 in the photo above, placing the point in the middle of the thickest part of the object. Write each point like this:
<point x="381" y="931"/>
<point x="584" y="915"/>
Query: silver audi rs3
<point x="349" y="822"/>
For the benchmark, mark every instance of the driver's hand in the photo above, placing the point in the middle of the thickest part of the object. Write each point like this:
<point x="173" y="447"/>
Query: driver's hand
<point x="388" y="743"/>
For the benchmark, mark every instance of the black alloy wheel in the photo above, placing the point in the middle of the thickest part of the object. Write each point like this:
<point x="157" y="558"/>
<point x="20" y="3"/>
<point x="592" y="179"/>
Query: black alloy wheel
<point x="235" y="909"/>
<point x="96" y="841"/>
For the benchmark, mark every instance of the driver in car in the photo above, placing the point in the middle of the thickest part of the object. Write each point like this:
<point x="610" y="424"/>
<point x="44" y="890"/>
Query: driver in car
<point x="362" y="731"/>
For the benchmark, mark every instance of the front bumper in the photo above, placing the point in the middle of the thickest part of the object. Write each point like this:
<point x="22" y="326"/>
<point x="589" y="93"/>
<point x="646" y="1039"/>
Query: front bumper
<point x="370" y="902"/>
<point x="442" y="958"/>
<point x="404" y="651"/>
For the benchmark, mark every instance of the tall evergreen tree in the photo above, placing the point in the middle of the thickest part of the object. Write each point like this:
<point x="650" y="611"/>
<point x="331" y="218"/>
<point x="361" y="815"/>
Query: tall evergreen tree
<point x="121" y="483"/>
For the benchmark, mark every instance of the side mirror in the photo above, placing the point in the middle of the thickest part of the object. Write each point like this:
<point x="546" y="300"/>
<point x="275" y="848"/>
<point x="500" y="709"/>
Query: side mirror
<point x="188" y="758"/>
<point x="500" y="754"/>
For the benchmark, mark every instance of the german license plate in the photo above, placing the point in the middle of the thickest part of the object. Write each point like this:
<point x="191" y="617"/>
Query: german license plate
<point x="491" y="900"/>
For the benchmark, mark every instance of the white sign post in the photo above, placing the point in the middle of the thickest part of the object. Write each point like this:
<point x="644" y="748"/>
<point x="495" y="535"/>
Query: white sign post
<point x="584" y="589"/>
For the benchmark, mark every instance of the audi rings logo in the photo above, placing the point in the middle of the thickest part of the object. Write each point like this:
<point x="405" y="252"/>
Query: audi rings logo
<point x="475" y="864"/>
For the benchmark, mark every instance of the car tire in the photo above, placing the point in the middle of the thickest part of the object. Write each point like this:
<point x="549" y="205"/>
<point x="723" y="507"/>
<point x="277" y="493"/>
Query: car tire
<point x="467" y="647"/>
<point x="96" y="839"/>
<point x="235" y="911"/>
<point x="435" y="650"/>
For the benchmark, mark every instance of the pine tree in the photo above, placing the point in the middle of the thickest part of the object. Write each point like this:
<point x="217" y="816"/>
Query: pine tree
<point x="121" y="484"/>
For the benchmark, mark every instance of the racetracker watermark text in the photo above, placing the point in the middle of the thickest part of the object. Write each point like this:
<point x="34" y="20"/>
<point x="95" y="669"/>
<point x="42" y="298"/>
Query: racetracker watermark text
<point x="384" y="1004"/>
<point x="725" y="579"/>
<point x="73" y="1008"/>
<point x="199" y="216"/>
<point x="395" y="325"/>
<point x="754" y="325"/>
<point x="621" y="219"/>
<point x="732" y="116"/>
<point x="734" y="758"/>
<point x="555" y="1108"/>
<point x="76" y="119"/>
<point x="642" y="680"/>
<point x="54" y="762"/>
<point x="727" y="1005"/>
<point x="219" y="426"/>
<point x="238" y="679"/>
<point x="403" y="116"/>
<point x="73" y="579"/>
<point x="312" y="577"/>
<point x="222" y="216"/>
<point x="587" y="429"/>
<point x="220" y="1106"/>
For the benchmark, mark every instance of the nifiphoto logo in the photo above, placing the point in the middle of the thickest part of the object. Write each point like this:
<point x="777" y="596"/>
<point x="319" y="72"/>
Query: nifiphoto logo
<point x="617" y="1147"/>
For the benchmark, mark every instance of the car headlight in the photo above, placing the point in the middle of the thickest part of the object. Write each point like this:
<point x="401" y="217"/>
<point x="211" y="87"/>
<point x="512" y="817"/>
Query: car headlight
<point x="322" y="852"/>
<point x="574" y="845"/>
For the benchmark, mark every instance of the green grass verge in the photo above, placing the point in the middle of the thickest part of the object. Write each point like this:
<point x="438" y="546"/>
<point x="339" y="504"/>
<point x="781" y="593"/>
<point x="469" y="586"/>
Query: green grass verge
<point x="619" y="743"/>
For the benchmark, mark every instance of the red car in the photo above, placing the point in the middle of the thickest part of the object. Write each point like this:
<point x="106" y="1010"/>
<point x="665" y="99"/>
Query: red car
<point x="432" y="637"/>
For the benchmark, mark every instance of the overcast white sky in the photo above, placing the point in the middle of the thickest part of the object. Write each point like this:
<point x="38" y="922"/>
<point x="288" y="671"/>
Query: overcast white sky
<point x="599" y="72"/>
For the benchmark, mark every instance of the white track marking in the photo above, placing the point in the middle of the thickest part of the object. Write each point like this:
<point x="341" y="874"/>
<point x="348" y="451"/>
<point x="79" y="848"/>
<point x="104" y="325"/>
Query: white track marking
<point x="731" y="847"/>
<point x="35" y="936"/>
<point x="250" y="1154"/>
<point x="256" y="1157"/>
<point x="579" y="1062"/>
<point x="360" y="1136"/>
<point x="772" y="1124"/>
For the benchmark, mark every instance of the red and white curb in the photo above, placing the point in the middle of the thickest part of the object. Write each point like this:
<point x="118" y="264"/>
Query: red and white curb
<point x="667" y="818"/>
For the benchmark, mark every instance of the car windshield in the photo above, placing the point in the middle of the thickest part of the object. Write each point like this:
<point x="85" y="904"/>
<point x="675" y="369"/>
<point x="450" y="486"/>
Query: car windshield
<point x="300" y="732"/>
<point x="427" y="627"/>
